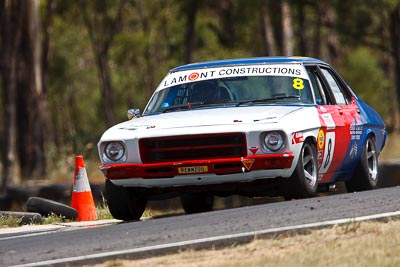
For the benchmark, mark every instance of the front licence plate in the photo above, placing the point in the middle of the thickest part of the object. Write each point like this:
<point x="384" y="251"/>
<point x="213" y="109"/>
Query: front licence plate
<point x="194" y="169"/>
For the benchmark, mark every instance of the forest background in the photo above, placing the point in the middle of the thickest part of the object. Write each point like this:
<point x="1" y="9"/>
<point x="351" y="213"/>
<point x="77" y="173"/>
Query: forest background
<point x="71" y="69"/>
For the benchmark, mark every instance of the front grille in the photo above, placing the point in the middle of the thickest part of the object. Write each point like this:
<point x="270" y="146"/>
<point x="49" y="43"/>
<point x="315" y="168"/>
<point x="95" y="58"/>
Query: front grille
<point x="192" y="147"/>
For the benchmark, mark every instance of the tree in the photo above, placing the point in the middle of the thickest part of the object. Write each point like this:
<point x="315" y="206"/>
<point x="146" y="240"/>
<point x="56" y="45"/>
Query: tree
<point x="302" y="29"/>
<point x="375" y="25"/>
<point x="31" y="98"/>
<point x="395" y="33"/>
<point x="190" y="10"/>
<point x="11" y="31"/>
<point x="102" y="29"/>
<point x="148" y="49"/>
<point x="287" y="29"/>
<point x="267" y="33"/>
<point x="24" y="101"/>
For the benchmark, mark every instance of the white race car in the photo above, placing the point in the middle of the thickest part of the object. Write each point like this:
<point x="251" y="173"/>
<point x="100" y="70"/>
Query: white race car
<point x="256" y="126"/>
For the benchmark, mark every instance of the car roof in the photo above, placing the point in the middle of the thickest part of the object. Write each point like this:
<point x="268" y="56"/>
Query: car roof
<point x="247" y="61"/>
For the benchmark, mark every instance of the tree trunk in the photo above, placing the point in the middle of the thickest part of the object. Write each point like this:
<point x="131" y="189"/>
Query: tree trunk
<point x="267" y="31"/>
<point x="10" y="37"/>
<point x="326" y="44"/>
<point x="302" y="28"/>
<point x="102" y="29"/>
<point x="38" y="112"/>
<point x="190" y="8"/>
<point x="227" y="35"/>
<point x="47" y="41"/>
<point x="317" y="51"/>
<point x="31" y="99"/>
<point x="149" y="76"/>
<point x="329" y="20"/>
<point x="287" y="29"/>
<point x="107" y="90"/>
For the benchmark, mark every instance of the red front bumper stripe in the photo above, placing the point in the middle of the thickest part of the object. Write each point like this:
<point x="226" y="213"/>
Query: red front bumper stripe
<point x="213" y="166"/>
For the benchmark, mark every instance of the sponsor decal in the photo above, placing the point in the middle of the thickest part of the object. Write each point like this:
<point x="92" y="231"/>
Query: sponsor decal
<point x="329" y="122"/>
<point x="290" y="70"/>
<point x="322" y="108"/>
<point x="297" y="138"/>
<point x="353" y="150"/>
<point x="319" y="154"/>
<point x="321" y="139"/>
<point x="356" y="130"/>
<point x="253" y="149"/>
<point x="193" y="76"/>
<point x="247" y="163"/>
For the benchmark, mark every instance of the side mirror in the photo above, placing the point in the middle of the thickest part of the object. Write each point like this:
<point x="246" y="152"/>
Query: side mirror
<point x="133" y="113"/>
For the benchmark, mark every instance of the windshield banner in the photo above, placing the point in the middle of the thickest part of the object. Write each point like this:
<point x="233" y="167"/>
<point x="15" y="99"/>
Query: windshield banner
<point x="180" y="77"/>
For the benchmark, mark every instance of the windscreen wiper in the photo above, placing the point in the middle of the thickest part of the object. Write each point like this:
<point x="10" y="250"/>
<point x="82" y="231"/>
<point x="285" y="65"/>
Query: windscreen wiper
<point x="268" y="99"/>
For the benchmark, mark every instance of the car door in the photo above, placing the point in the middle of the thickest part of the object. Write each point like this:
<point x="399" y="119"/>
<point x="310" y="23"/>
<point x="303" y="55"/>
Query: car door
<point x="354" y="126"/>
<point x="335" y="117"/>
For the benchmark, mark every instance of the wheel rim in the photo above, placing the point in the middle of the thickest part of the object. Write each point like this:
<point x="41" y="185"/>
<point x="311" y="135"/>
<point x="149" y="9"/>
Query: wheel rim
<point x="372" y="160"/>
<point x="309" y="166"/>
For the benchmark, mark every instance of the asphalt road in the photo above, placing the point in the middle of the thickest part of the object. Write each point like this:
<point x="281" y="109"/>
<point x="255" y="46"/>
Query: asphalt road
<point x="126" y="237"/>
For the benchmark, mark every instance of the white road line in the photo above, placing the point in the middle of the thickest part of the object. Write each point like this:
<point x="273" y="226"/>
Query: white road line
<point x="211" y="239"/>
<point x="33" y="230"/>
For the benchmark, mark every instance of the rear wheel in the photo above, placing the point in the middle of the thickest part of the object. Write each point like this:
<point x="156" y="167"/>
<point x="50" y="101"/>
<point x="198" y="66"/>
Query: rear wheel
<point x="123" y="203"/>
<point x="366" y="174"/>
<point x="304" y="180"/>
<point x="196" y="203"/>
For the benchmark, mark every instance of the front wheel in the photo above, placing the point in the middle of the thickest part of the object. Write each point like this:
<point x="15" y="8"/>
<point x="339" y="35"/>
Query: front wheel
<point x="304" y="181"/>
<point x="123" y="203"/>
<point x="366" y="174"/>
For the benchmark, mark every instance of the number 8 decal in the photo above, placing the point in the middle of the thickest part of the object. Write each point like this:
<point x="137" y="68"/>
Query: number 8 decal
<point x="328" y="152"/>
<point x="298" y="84"/>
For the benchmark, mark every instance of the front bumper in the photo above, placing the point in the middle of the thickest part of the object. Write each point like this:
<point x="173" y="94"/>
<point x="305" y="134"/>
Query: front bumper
<point x="272" y="165"/>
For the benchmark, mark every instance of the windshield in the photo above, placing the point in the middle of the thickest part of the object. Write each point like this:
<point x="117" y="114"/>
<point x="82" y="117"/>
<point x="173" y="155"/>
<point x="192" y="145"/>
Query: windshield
<point x="231" y="91"/>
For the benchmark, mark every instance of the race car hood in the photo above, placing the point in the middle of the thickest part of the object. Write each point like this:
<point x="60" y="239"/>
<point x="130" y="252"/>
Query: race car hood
<point x="205" y="117"/>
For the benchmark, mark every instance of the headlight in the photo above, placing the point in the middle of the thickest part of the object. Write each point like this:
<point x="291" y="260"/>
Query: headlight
<point x="114" y="151"/>
<point x="273" y="141"/>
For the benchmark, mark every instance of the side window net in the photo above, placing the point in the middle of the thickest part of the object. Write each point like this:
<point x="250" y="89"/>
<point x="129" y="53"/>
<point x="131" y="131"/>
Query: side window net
<point x="320" y="91"/>
<point x="335" y="86"/>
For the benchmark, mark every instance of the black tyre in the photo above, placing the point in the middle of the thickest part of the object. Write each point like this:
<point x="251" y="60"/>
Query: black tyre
<point x="304" y="181"/>
<point x="196" y="203"/>
<point x="26" y="217"/>
<point x="123" y="203"/>
<point x="366" y="174"/>
<point x="46" y="207"/>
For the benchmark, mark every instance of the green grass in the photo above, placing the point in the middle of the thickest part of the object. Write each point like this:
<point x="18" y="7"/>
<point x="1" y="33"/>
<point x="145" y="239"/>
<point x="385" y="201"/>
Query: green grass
<point x="103" y="213"/>
<point x="54" y="219"/>
<point x="9" y="221"/>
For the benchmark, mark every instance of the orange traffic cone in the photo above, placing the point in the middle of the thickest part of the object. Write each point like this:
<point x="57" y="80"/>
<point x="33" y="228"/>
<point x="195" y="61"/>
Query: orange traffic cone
<point x="82" y="199"/>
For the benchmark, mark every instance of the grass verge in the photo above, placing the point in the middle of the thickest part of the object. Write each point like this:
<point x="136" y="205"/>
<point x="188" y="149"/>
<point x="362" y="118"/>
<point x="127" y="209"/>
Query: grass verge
<point x="346" y="245"/>
<point x="9" y="221"/>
